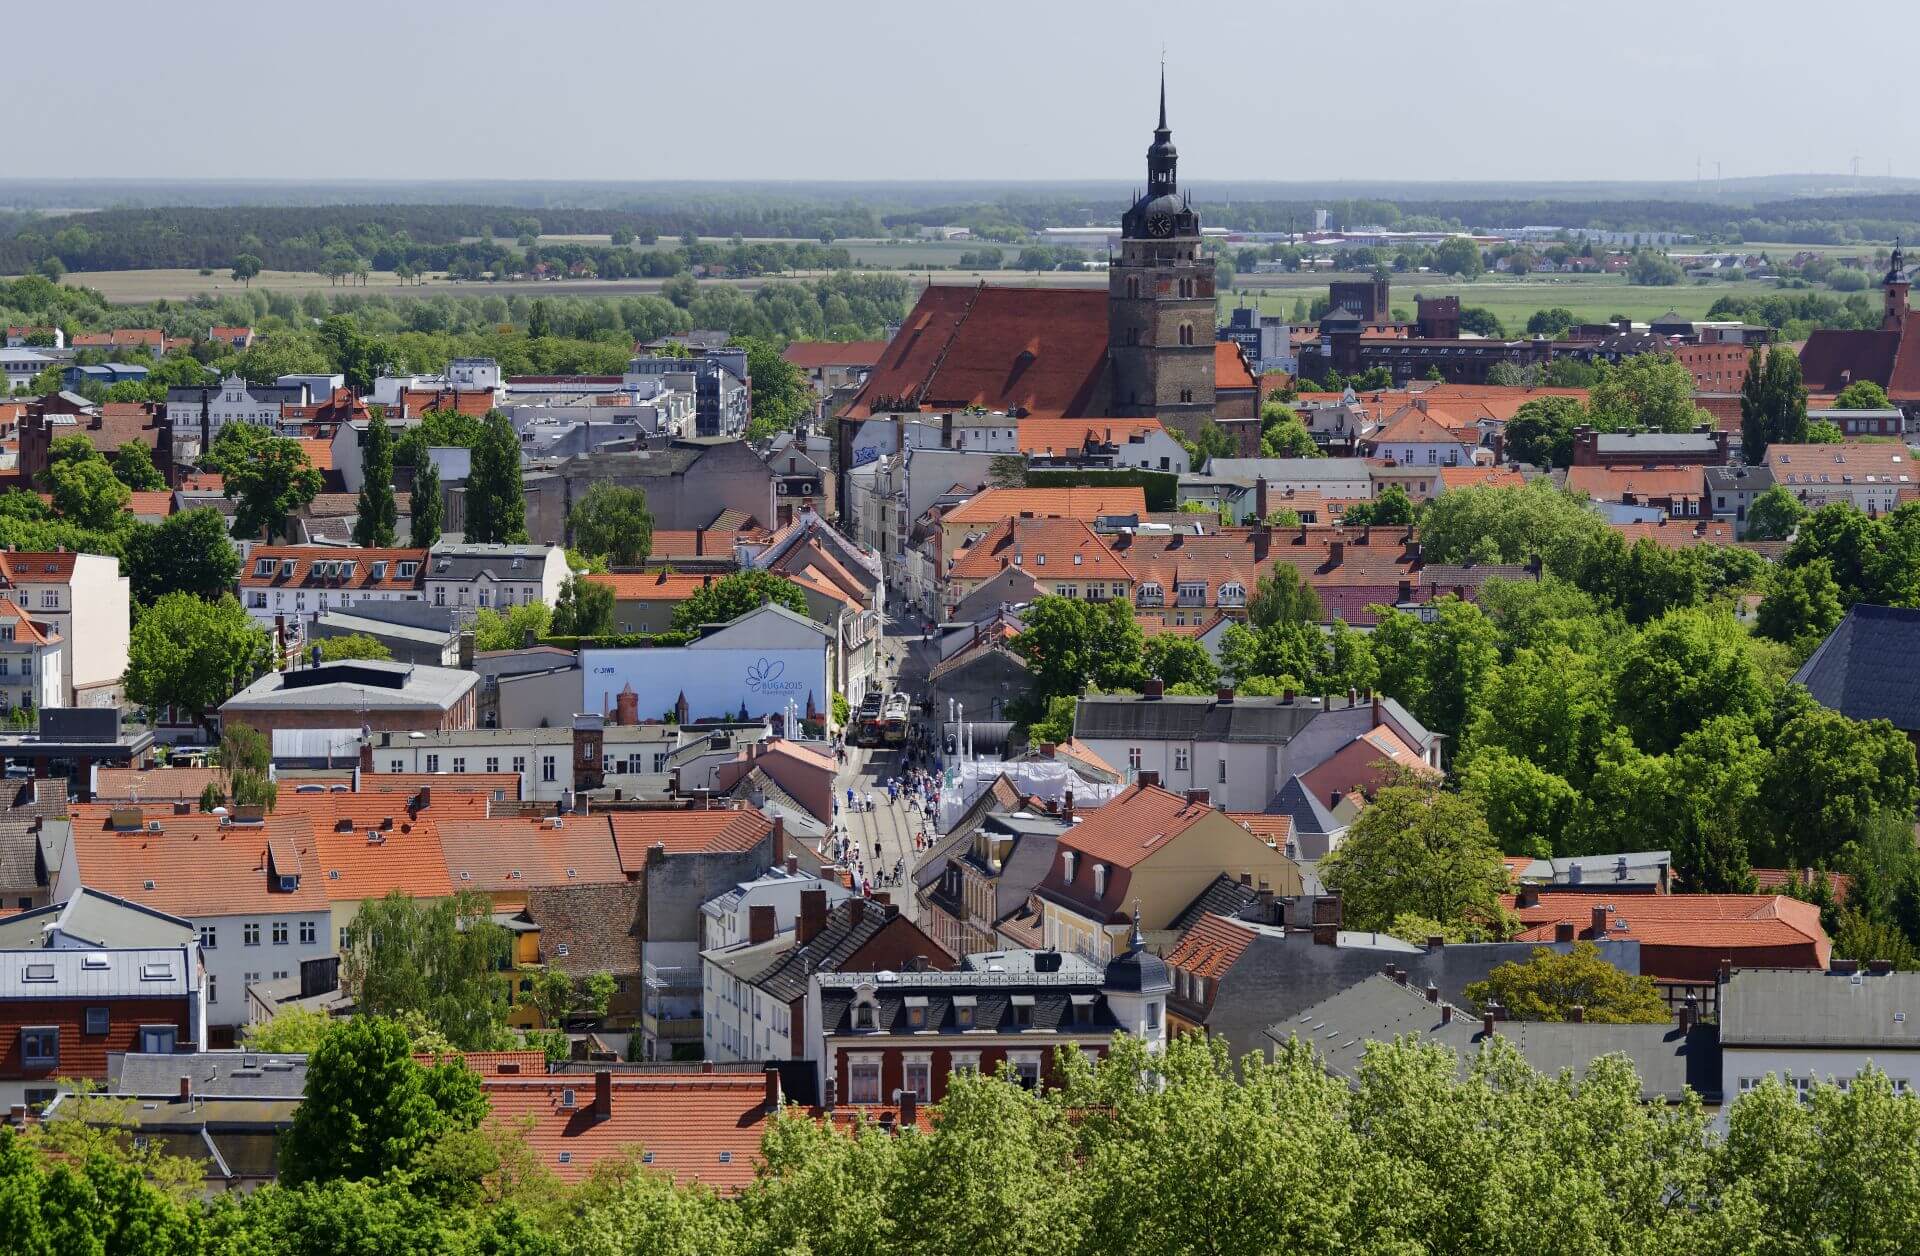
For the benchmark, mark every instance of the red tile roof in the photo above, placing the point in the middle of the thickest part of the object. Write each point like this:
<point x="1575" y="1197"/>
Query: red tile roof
<point x="416" y="402"/>
<point x="699" y="1127"/>
<point x="1868" y="462"/>
<point x="1613" y="484"/>
<point x="1771" y="880"/>
<point x="319" y="452"/>
<point x="508" y="855"/>
<point x="1363" y="764"/>
<point x="1088" y="504"/>
<point x="1271" y="828"/>
<point x="1048" y="549"/>
<point x="1831" y="359"/>
<point x="654" y="585"/>
<point x="684" y="831"/>
<point x="197" y="865"/>
<point x="811" y="355"/>
<point x="24" y="627"/>
<point x="1042" y="350"/>
<point x="305" y="557"/>
<point x="1212" y="946"/>
<point x="1677" y="533"/>
<point x="1133" y="824"/>
<point x="148" y="502"/>
<point x="1230" y="369"/>
<point x="1480" y="477"/>
<point x="153" y="784"/>
<point x="1417" y="427"/>
<point x="1710" y="921"/>
<point x="1067" y="436"/>
<point x="494" y="1063"/>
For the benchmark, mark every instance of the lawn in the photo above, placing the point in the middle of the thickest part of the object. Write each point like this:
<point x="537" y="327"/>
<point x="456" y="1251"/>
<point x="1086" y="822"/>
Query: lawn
<point x="1591" y="298"/>
<point x="135" y="287"/>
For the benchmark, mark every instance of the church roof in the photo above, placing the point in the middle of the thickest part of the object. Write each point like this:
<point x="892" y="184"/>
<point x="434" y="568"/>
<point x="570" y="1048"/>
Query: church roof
<point x="1041" y="350"/>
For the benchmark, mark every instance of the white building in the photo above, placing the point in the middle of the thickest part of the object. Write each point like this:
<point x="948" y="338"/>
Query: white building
<point x="1807" y="1026"/>
<point x="30" y="674"/>
<point x="1870" y="476"/>
<point x="744" y="932"/>
<point x="234" y="401"/>
<point x="474" y="575"/>
<point x="19" y="366"/>
<point x="68" y="592"/>
<point x="296" y="584"/>
<point x="633" y="758"/>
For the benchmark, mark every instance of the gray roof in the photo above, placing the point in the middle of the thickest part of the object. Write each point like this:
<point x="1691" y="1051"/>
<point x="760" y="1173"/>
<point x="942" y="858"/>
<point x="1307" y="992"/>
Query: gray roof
<point x="1190" y="718"/>
<point x="342" y="622"/>
<point x="1643" y="868"/>
<point x="1739" y="479"/>
<point x="1247" y="470"/>
<point x="786" y="977"/>
<point x="363" y="684"/>
<point x="1309" y="816"/>
<point x="1864" y="668"/>
<point x="1656" y="442"/>
<point x="102" y="920"/>
<point x="1793" y="1007"/>
<point x="1381" y="1010"/>
<point x="32" y="803"/>
<point x="134" y="973"/>
<point x="229" y="1074"/>
<point x="468" y="561"/>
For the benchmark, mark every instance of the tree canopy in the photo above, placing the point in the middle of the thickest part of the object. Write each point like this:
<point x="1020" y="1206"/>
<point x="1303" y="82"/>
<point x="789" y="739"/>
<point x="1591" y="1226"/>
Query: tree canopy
<point x="1549" y="985"/>
<point x="732" y="596"/>
<point x="612" y="522"/>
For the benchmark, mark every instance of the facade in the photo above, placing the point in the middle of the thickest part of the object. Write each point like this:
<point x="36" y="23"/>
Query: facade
<point x="1160" y="308"/>
<point x="754" y="1027"/>
<point x="1809" y="1027"/>
<point x="290" y="586"/>
<point x="1872" y="477"/>
<point x="689" y="485"/>
<point x="1732" y="491"/>
<point x="552" y="764"/>
<point x="67" y="593"/>
<point x="885" y="1034"/>
<point x="30" y="672"/>
<point x="203" y="413"/>
<point x="468" y="577"/>
<point x="1853" y="423"/>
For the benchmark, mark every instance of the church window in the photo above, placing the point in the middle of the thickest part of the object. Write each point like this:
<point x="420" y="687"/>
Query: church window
<point x="1186" y="333"/>
<point x="1133" y="287"/>
<point x="1186" y="394"/>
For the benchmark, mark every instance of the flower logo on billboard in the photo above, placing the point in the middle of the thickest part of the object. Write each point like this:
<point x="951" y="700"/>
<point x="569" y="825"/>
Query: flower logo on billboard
<point x="764" y="677"/>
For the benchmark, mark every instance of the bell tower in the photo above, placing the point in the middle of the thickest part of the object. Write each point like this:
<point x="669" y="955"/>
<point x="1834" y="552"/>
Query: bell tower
<point x="1160" y="307"/>
<point x="1894" y="315"/>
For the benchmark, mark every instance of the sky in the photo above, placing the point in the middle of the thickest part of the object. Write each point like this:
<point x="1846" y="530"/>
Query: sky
<point x="990" y="90"/>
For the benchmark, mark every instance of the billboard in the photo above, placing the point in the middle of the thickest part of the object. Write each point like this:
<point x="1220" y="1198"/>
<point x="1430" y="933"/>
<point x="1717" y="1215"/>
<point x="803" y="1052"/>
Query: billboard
<point x="718" y="683"/>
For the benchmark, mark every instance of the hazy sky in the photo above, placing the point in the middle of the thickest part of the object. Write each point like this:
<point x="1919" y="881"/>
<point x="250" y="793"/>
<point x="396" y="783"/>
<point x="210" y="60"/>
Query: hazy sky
<point x="1038" y="89"/>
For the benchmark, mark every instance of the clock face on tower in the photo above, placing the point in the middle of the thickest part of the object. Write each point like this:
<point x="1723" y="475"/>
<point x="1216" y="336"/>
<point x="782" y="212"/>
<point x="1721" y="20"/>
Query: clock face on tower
<point x="1160" y="225"/>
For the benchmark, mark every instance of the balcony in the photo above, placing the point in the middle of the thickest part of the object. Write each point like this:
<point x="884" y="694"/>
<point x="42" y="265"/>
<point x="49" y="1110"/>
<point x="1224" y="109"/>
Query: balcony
<point x="676" y="981"/>
<point x="671" y="1028"/>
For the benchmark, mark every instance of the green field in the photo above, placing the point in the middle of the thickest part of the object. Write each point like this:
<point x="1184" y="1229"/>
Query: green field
<point x="1592" y="298"/>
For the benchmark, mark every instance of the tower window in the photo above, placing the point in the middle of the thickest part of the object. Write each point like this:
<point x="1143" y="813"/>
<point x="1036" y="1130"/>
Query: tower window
<point x="1133" y="287"/>
<point x="1186" y="333"/>
<point x="1186" y="394"/>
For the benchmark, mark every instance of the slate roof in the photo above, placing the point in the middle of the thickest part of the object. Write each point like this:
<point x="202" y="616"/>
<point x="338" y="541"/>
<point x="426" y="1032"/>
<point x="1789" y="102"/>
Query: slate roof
<point x="31" y="803"/>
<point x="1380" y="1009"/>
<point x="1864" y="669"/>
<point x="1178" y="718"/>
<point x="1050" y="996"/>
<point x="1795" y="1007"/>
<point x="228" y="1074"/>
<point x="1225" y="897"/>
<point x="842" y="937"/>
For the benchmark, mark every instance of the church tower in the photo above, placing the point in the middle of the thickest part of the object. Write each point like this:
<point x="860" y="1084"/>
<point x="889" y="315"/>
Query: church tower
<point x="1160" y="310"/>
<point x="1894" y="316"/>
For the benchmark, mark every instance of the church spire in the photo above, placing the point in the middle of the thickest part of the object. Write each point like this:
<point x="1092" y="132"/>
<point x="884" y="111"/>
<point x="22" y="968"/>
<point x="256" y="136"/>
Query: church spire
<point x="1162" y="128"/>
<point x="1162" y="156"/>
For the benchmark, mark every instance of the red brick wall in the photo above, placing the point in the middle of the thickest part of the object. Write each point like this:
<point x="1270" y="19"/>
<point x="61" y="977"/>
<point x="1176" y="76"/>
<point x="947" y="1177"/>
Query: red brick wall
<point x="83" y="1054"/>
<point x="1702" y="963"/>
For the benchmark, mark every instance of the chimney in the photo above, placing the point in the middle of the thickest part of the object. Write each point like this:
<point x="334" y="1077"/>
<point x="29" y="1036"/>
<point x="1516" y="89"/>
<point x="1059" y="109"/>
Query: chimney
<point x="1433" y="991"/>
<point x="1435" y="941"/>
<point x="1576" y="1013"/>
<point x="1446" y="1013"/>
<point x="1879" y="967"/>
<point x="780" y="841"/>
<point x="1336" y="553"/>
<point x="366" y="756"/>
<point x="1486" y="1024"/>
<point x="1066" y="807"/>
<point x="1353" y="697"/>
<point x="813" y="916"/>
<point x="1400" y="975"/>
<point x="793" y="865"/>
<point x="1599" y="923"/>
<point x="186" y="1090"/>
<point x="1260" y="501"/>
<point x="773" y="1088"/>
<point x="603" y="1094"/>
<point x="856" y="910"/>
<point x="1726" y="971"/>
<point x="426" y="797"/>
<point x="1529" y="896"/>
<point x="1689" y="1014"/>
<point x="1155" y="688"/>
<point x="909" y="1108"/>
<point x="832" y="1098"/>
<point x="1199" y="796"/>
<point x="1148" y="777"/>
<point x="706" y="1066"/>
<point x="1224" y="695"/>
<point x="1563" y="931"/>
<point x="760" y="923"/>
<point x="1047" y="748"/>
<point x="1326" y="935"/>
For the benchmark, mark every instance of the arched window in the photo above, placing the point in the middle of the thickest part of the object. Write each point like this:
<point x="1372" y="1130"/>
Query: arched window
<point x="1186" y="333"/>
<point x="1133" y="287"/>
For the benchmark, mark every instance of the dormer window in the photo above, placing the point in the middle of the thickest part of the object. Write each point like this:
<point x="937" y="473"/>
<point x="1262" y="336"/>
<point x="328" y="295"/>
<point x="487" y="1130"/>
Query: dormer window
<point x="916" y="1012"/>
<point x="1039" y="560"/>
<point x="1067" y="861"/>
<point x="963" y="1009"/>
<point x="1099" y="880"/>
<point x="1020" y="1011"/>
<point x="407" y="570"/>
<point x="263" y="567"/>
<point x="379" y="571"/>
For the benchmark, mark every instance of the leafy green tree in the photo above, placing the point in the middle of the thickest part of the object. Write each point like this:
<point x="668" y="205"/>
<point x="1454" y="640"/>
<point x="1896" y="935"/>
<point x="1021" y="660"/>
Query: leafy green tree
<point x="425" y="506"/>
<point x="376" y="517"/>
<point x="246" y="268"/>
<point x="1774" y="515"/>
<point x="495" y="497"/>
<point x="1437" y="669"/>
<point x="1417" y="848"/>
<point x="1861" y="554"/>
<point x="1650" y="391"/>
<point x="361" y="357"/>
<point x="1682" y="670"/>
<point x="508" y="630"/>
<point x="1283" y="596"/>
<point x="246" y="766"/>
<point x="1480" y="321"/>
<point x="133" y="466"/>
<point x="1212" y="442"/>
<point x="1529" y="811"/>
<point x="369" y="1109"/>
<point x="1392" y="508"/>
<point x="1801" y="607"/>
<point x="584" y="609"/>
<point x="193" y="654"/>
<point x="1862" y="394"/>
<point x="614" y="522"/>
<point x="1828" y="776"/>
<point x="1824" y="432"/>
<point x="1716" y="773"/>
<point x="1644" y="580"/>
<point x="1549" y="985"/>
<point x="1179" y="660"/>
<point x="1549" y="705"/>
<point x="1773" y="402"/>
<point x="1552" y="323"/>
<point x="292" y="1031"/>
<point x="1007" y="471"/>
<point x="353" y="645"/>
<point x="732" y="596"/>
<point x="440" y="958"/>
<point x="1507" y="525"/>
<point x="1069" y="644"/>
<point x="275" y="482"/>
<point x="86" y="493"/>
<point x="1459" y="255"/>
<point x="1283" y="435"/>
<point x="780" y="395"/>
<point x="1541" y="431"/>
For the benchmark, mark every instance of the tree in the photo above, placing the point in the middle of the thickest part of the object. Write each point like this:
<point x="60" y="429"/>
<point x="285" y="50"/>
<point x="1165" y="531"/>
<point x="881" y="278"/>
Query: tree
<point x="1507" y="525"/>
<point x="246" y="766"/>
<point x="1416" y="848"/>
<point x="246" y="268"/>
<point x="1774" y="515"/>
<point x="612" y="522"/>
<point x="353" y="645"/>
<point x="1773" y="402"/>
<point x="274" y="482"/>
<point x="510" y="629"/>
<point x="732" y="596"/>
<point x="1007" y="471"/>
<point x="1828" y="776"/>
<point x="1541" y="431"/>
<point x="781" y="395"/>
<point x="193" y="654"/>
<point x="1506" y="375"/>
<point x="1553" y="323"/>
<point x="361" y="357"/>
<point x="1529" y="810"/>
<point x="1481" y="322"/>
<point x="1651" y="269"/>
<point x="1392" y="508"/>
<point x="369" y="1109"/>
<point x="1801" y="607"/>
<point x="1650" y="391"/>
<point x="1212" y="442"/>
<point x="425" y="505"/>
<point x="376" y="516"/>
<point x="1682" y="670"/>
<point x="133" y="466"/>
<point x="584" y="609"/>
<point x="1069" y="644"/>
<point x="1459" y="255"/>
<point x="1283" y="596"/>
<point x="87" y="493"/>
<point x="1855" y="547"/>
<point x="1862" y="394"/>
<point x="292" y="1031"/>
<point x="496" y="500"/>
<point x="440" y="958"/>
<point x="1283" y="435"/>
<point x="1179" y="660"/>
<point x="1549" y="985"/>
